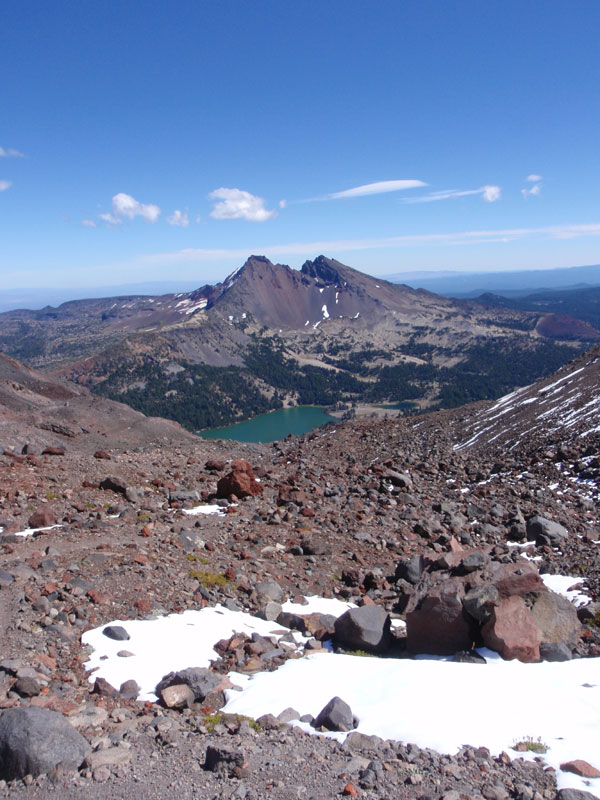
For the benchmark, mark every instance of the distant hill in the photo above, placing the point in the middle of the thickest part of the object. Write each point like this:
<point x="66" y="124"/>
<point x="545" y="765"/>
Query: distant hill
<point x="471" y="284"/>
<point x="581" y="303"/>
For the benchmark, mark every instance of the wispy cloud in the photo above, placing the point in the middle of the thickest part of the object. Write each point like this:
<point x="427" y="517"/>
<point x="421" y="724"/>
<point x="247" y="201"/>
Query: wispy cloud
<point x="179" y="219"/>
<point x="380" y="187"/>
<point x="10" y="152"/>
<point x="124" y="206"/>
<point x="460" y="238"/>
<point x="238" y="204"/>
<point x="88" y="223"/>
<point x="536" y="189"/>
<point x="4" y="185"/>
<point x="488" y="193"/>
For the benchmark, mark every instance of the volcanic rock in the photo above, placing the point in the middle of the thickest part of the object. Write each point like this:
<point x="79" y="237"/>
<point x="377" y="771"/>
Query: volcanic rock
<point x="43" y="517"/>
<point x="365" y="628"/>
<point x="241" y="481"/>
<point x="545" y="531"/>
<point x="34" y="741"/>
<point x="335" y="716"/>
<point x="512" y="631"/>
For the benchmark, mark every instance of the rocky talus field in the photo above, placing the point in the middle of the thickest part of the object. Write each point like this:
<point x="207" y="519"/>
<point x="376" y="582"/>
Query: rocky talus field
<point x="432" y="532"/>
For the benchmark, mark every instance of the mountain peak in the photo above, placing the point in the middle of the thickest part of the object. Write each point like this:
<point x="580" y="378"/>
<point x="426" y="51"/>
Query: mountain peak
<point x="324" y="269"/>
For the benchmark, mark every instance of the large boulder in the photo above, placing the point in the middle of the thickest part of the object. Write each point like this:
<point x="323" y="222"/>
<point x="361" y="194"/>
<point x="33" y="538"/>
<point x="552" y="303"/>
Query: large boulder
<point x="545" y="531"/>
<point x="365" y="628"/>
<point x="241" y="481"/>
<point x="34" y="741"/>
<point x="556" y="618"/>
<point x="512" y="632"/>
<point x="43" y="517"/>
<point x="436" y="621"/>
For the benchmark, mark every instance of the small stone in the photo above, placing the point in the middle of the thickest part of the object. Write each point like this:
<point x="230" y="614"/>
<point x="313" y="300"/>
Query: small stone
<point x="129" y="690"/>
<point x="177" y="696"/>
<point x="27" y="687"/>
<point x="116" y="632"/>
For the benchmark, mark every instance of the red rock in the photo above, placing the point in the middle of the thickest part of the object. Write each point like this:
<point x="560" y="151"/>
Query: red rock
<point x="143" y="604"/>
<point x="43" y="517"/>
<point x="580" y="767"/>
<point x="512" y="631"/>
<point x="53" y="451"/>
<point x="350" y="790"/>
<point x="102" y="454"/>
<point x="98" y="597"/>
<point x="240" y="481"/>
<point x="290" y="494"/>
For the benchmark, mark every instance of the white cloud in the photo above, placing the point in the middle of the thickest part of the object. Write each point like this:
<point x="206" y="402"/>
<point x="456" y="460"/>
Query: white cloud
<point x="535" y="190"/>
<point x="10" y="152"/>
<point x="488" y="193"/>
<point x="381" y="187"/>
<point x="491" y="193"/>
<point x="238" y="204"/>
<point x="126" y="206"/>
<point x="4" y="185"/>
<point x="283" y="203"/>
<point x="305" y="249"/>
<point x="88" y="223"/>
<point x="110" y="219"/>
<point x="179" y="218"/>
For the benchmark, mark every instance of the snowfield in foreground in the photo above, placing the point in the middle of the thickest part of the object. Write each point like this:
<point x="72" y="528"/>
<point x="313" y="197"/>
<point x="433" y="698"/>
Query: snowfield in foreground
<point x="428" y="701"/>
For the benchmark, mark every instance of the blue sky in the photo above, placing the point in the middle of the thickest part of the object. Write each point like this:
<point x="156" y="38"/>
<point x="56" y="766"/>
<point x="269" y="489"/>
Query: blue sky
<point x="155" y="141"/>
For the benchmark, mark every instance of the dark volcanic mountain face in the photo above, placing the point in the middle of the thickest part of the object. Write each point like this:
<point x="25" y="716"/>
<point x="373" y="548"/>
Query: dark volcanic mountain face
<point x="323" y="289"/>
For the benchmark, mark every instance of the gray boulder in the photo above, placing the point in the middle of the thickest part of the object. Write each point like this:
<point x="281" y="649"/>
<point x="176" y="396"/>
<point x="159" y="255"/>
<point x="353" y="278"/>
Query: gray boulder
<point x="335" y="716"/>
<point x="200" y="680"/>
<point x="366" y="628"/>
<point x="34" y="741"/>
<point x="545" y="531"/>
<point x="269" y="591"/>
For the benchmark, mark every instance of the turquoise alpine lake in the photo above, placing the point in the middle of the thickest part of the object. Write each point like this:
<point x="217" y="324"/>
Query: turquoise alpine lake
<point x="272" y="427"/>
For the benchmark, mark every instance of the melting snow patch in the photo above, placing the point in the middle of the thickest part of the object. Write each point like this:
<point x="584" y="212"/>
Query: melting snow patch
<point x="31" y="531"/>
<point x="167" y="644"/>
<point x="390" y="697"/>
<point x="325" y="312"/>
<point x="204" y="509"/>
<point x="562" y="584"/>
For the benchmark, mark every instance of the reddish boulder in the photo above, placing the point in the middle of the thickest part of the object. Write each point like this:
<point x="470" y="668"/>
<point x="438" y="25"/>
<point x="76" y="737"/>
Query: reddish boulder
<point x="43" y="517"/>
<point x="240" y="481"/>
<point x="581" y="767"/>
<point x="512" y="631"/>
<point x="436" y="622"/>
<point x="515" y="579"/>
<point x="291" y="494"/>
